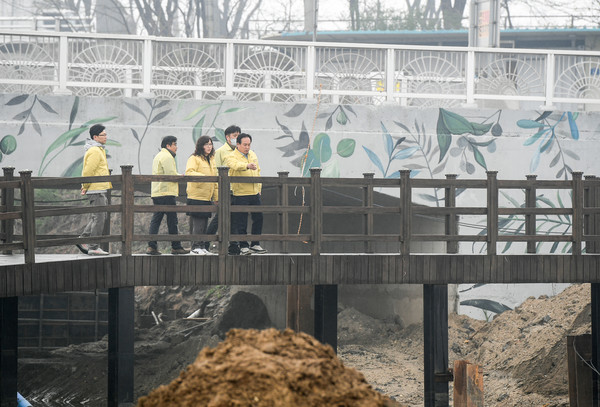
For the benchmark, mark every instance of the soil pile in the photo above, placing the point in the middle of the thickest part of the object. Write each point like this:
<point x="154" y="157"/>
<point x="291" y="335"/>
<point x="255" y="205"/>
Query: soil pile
<point x="267" y="368"/>
<point x="530" y="341"/>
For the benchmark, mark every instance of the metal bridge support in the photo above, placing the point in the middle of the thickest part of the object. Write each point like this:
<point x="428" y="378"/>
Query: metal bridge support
<point x="326" y="299"/>
<point x="120" y="346"/>
<point x="9" y="307"/>
<point x="435" y="339"/>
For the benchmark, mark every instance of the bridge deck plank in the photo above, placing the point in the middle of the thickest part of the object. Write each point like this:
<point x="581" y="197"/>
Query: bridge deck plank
<point x="59" y="273"/>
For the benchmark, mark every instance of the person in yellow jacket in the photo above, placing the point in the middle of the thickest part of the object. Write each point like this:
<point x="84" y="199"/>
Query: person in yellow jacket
<point x="95" y="164"/>
<point x="243" y="162"/>
<point x="231" y="134"/>
<point x="164" y="193"/>
<point x="221" y="153"/>
<point x="202" y="162"/>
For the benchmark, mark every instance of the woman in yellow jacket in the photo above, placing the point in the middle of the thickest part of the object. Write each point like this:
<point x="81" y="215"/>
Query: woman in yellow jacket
<point x="202" y="162"/>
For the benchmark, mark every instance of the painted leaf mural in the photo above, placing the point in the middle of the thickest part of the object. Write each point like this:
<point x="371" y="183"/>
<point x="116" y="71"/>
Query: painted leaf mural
<point x="552" y="129"/>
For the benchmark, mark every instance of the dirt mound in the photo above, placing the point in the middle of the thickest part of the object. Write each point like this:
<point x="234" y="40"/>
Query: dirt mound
<point x="531" y="341"/>
<point x="267" y="368"/>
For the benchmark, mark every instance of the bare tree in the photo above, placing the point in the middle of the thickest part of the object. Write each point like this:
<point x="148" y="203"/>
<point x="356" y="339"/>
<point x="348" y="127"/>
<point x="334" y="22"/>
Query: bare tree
<point x="452" y="13"/>
<point x="191" y="18"/>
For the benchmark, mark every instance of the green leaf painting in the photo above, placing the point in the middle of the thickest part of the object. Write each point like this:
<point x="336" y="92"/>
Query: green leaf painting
<point x="8" y="144"/>
<point x="450" y="123"/>
<point x="320" y="152"/>
<point x="345" y="147"/>
<point x="551" y="130"/>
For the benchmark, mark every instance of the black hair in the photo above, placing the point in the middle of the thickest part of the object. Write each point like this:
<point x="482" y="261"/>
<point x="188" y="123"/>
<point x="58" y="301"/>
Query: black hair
<point x="167" y="141"/>
<point x="202" y="141"/>
<point x="241" y="137"/>
<point x="232" y="129"/>
<point x="96" y="129"/>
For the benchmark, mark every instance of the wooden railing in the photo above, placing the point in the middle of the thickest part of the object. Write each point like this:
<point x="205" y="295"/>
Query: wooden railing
<point x="579" y="232"/>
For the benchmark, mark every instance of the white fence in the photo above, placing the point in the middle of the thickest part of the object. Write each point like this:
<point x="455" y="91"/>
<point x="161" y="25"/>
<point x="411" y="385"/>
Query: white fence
<point x="102" y="65"/>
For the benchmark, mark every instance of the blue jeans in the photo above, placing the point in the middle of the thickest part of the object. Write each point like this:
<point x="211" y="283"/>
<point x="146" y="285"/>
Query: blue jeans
<point x="239" y="220"/>
<point x="171" y="220"/>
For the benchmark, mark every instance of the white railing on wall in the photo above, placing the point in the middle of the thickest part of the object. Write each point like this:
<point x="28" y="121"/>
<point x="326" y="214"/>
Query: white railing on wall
<point x="287" y="71"/>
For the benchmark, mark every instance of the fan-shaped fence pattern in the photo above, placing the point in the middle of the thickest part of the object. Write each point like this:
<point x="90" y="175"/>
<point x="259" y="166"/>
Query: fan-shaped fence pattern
<point x="267" y="68"/>
<point x="103" y="65"/>
<point x="24" y="61"/>
<point x="350" y="76"/>
<point x="187" y="71"/>
<point x="509" y="75"/>
<point x="430" y="75"/>
<point x="578" y="79"/>
<point x="286" y="71"/>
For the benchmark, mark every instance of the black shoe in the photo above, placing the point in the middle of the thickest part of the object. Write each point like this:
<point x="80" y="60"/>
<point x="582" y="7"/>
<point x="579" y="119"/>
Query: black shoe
<point x="233" y="250"/>
<point x="181" y="250"/>
<point x="152" y="251"/>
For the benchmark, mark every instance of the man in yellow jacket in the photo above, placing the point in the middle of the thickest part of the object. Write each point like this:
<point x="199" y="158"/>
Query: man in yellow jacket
<point x="95" y="164"/>
<point x="164" y="193"/>
<point x="221" y="154"/>
<point x="243" y="162"/>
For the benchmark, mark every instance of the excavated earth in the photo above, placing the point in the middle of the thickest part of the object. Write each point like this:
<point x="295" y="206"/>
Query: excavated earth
<point x="522" y="352"/>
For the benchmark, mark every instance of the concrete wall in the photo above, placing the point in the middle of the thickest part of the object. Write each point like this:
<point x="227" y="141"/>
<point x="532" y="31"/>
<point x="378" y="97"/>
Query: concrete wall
<point x="45" y="134"/>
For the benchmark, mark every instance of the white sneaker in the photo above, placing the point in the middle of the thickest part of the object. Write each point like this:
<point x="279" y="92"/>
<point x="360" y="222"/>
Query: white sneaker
<point x="199" y="251"/>
<point x="257" y="249"/>
<point x="244" y="251"/>
<point x="97" y="252"/>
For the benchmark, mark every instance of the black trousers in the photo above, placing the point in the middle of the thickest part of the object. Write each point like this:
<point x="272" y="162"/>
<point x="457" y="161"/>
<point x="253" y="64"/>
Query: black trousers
<point x="171" y="220"/>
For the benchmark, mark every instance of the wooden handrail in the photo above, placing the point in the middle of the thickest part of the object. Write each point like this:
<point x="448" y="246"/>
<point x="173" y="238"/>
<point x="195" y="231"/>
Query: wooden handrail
<point x="576" y="220"/>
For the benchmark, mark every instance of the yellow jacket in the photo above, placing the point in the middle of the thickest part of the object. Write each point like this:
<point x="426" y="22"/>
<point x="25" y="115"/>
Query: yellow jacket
<point x="237" y="164"/>
<point x="221" y="153"/>
<point x="164" y="164"/>
<point x="202" y="191"/>
<point x="95" y="164"/>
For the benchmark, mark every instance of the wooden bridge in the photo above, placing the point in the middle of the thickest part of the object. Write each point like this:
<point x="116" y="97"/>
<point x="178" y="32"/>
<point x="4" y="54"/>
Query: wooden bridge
<point x="376" y="246"/>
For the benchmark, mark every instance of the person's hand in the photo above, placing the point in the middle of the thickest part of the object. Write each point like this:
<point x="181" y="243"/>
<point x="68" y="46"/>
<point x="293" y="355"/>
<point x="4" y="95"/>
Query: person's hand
<point x="251" y="166"/>
<point x="83" y="191"/>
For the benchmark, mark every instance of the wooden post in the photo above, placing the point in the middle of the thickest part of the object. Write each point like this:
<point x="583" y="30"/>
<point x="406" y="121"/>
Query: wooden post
<point x="592" y="201"/>
<point x="28" y="207"/>
<point x="316" y="228"/>
<point x="283" y="218"/>
<point x="300" y="315"/>
<point x="224" y="226"/>
<point x="577" y="198"/>
<point x="530" y="219"/>
<point x="106" y="229"/>
<point x="8" y="201"/>
<point x="127" y="217"/>
<point x="580" y="375"/>
<point x="406" y="208"/>
<point x="368" y="204"/>
<point x="468" y="384"/>
<point x="316" y="211"/>
<point x="120" y="345"/>
<point x="492" y="212"/>
<point x="451" y="220"/>
<point x="8" y="351"/>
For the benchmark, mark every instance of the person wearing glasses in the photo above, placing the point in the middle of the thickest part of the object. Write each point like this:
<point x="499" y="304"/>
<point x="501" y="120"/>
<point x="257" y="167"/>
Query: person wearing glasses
<point x="95" y="164"/>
